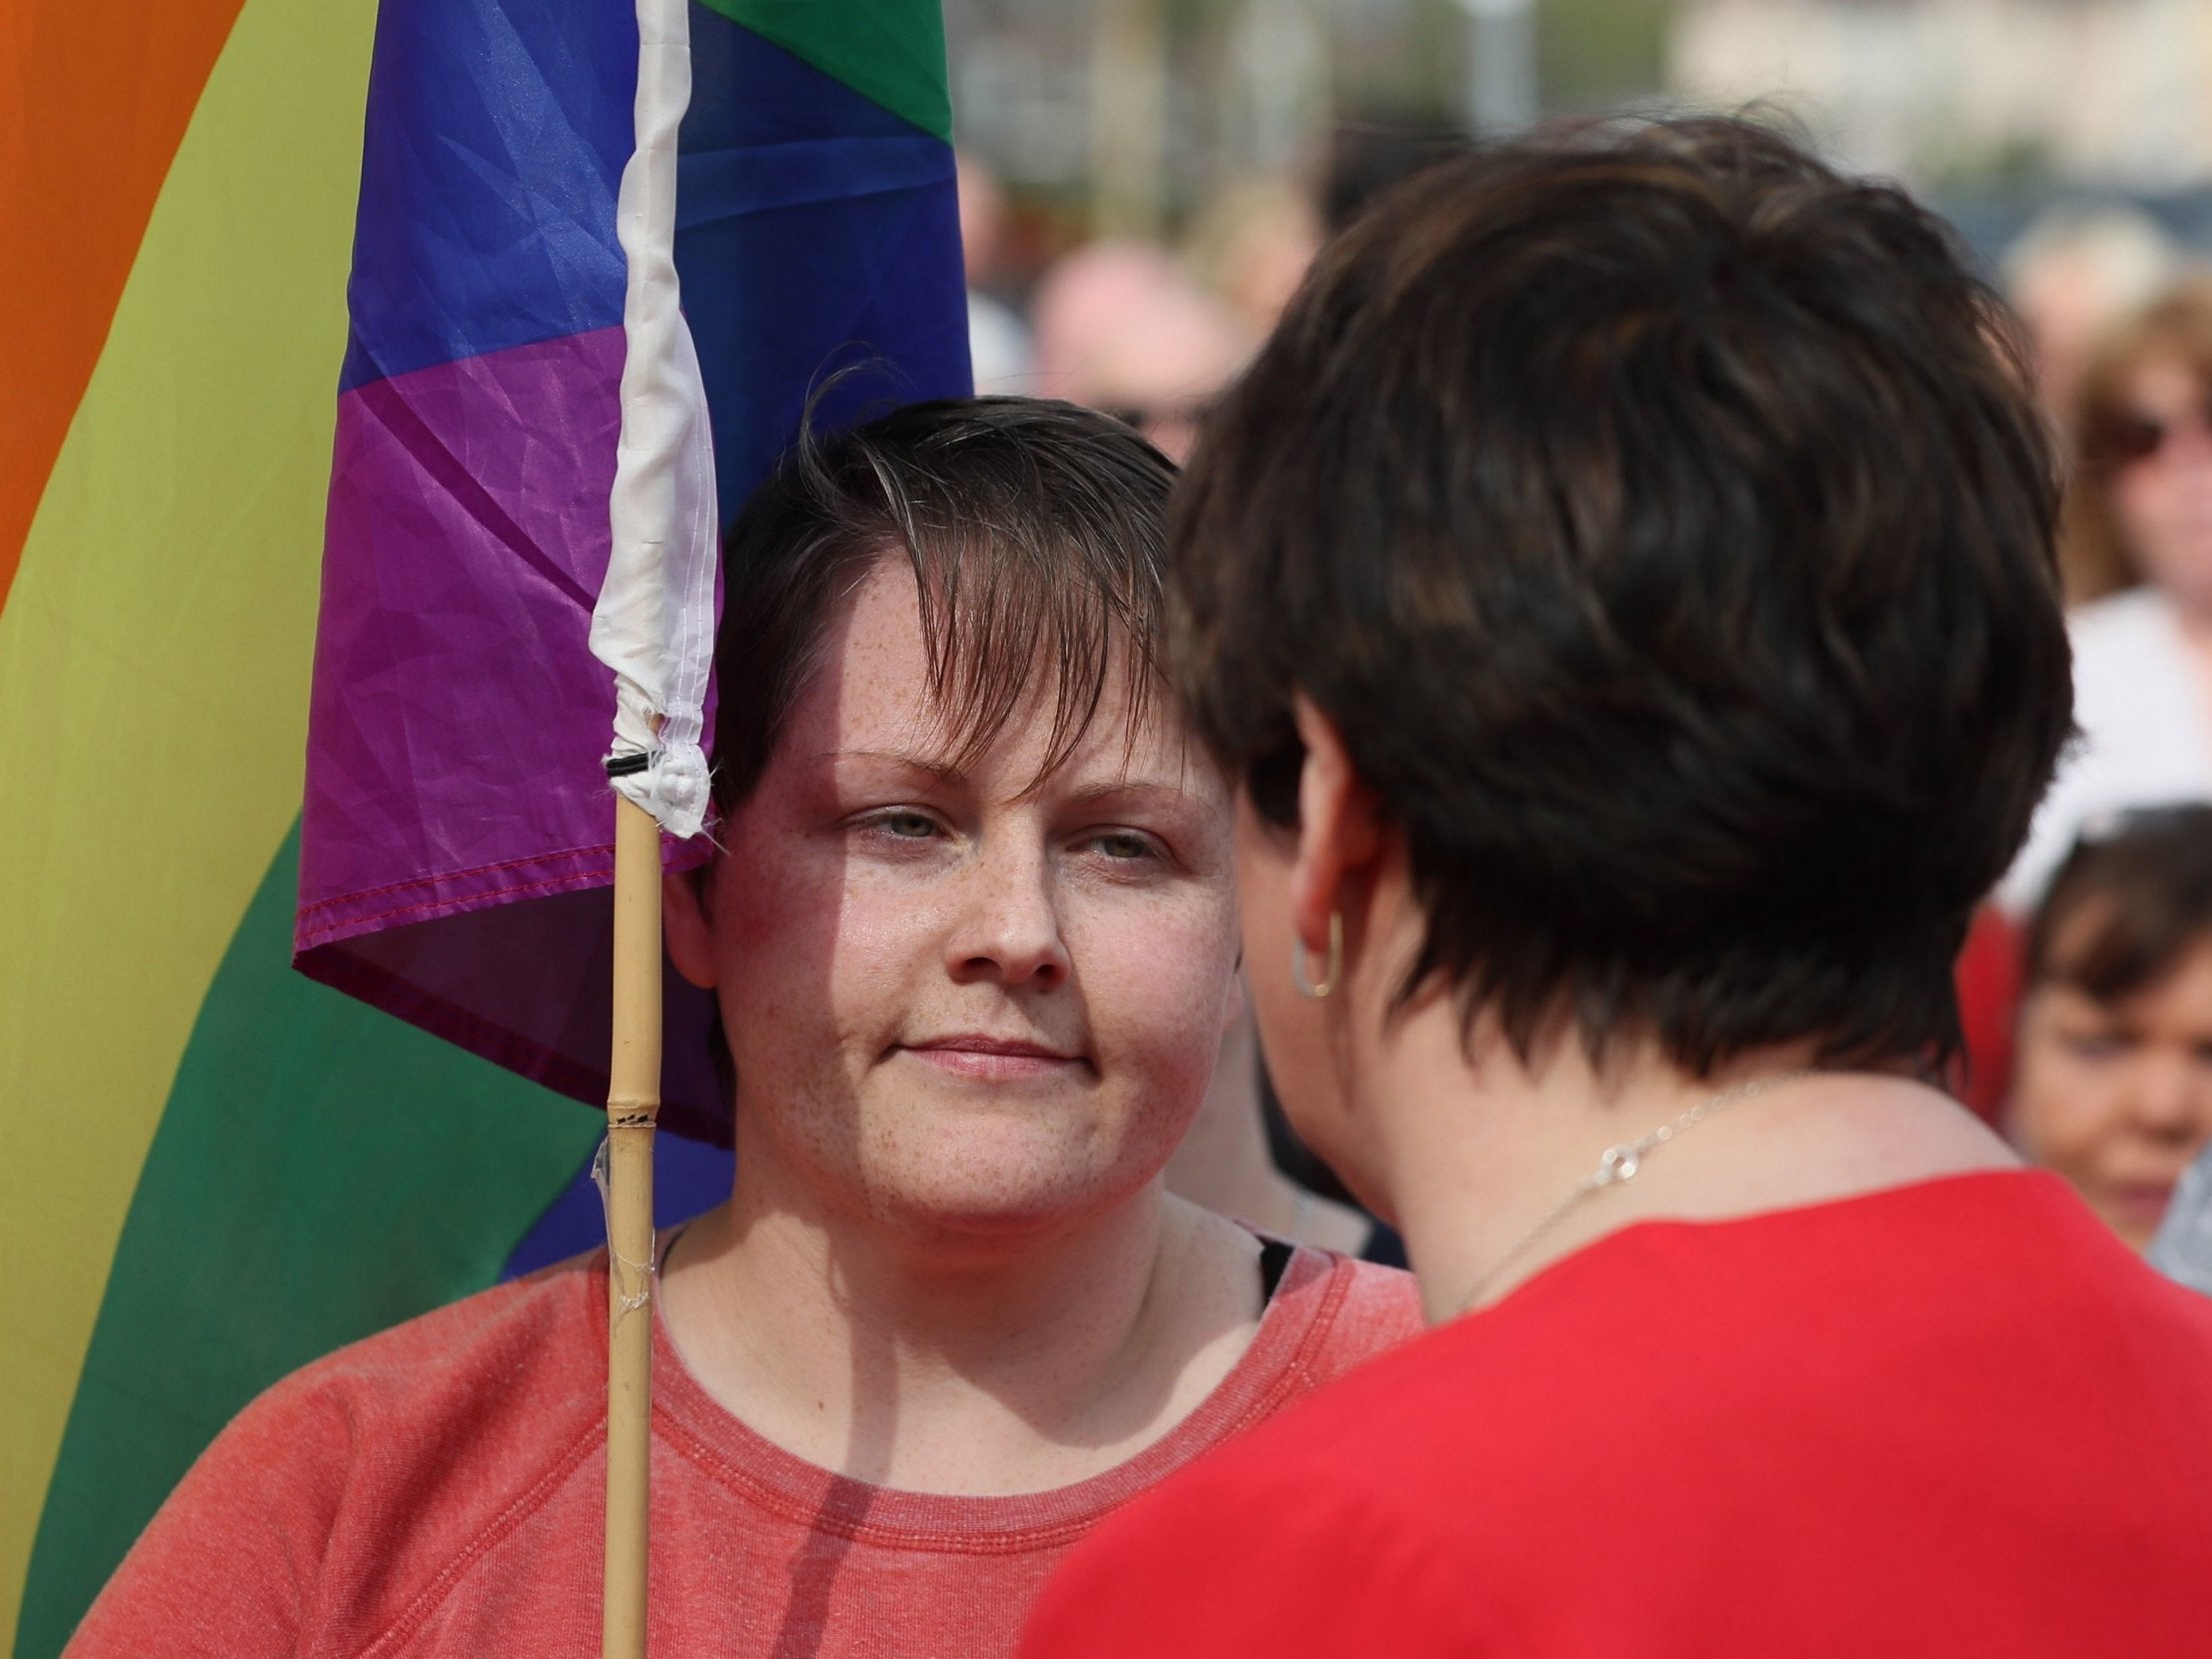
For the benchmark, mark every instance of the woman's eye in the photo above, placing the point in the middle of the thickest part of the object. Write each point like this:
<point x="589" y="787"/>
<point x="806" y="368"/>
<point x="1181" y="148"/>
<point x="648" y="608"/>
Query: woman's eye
<point x="903" y="825"/>
<point x="1124" y="845"/>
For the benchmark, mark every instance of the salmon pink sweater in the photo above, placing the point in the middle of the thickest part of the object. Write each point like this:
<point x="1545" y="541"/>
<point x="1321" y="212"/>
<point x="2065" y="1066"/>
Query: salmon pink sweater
<point x="440" y="1489"/>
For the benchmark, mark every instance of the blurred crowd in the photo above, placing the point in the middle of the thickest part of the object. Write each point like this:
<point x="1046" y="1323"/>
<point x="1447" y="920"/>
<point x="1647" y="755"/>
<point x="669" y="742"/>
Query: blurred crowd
<point x="2107" y="915"/>
<point x="2086" y="982"/>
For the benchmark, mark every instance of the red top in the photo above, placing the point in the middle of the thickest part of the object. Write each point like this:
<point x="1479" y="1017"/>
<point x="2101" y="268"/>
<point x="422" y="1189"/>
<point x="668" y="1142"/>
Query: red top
<point x="440" y="1490"/>
<point x="1953" y="1418"/>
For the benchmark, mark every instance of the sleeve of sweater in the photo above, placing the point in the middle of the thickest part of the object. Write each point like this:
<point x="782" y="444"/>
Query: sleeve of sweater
<point x="228" y="1564"/>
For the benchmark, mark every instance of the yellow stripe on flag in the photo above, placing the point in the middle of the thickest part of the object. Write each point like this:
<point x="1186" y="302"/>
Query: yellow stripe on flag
<point x="154" y="659"/>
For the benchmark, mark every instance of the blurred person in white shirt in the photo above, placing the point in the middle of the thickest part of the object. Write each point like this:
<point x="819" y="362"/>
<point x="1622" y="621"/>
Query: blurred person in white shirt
<point x="2140" y="505"/>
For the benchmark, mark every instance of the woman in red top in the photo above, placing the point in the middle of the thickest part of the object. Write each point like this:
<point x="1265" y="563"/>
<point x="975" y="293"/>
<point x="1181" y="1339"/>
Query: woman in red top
<point x="1623" y="591"/>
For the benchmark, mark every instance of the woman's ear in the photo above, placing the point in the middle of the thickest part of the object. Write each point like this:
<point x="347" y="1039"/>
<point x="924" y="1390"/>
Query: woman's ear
<point x="686" y="926"/>
<point x="1341" y="830"/>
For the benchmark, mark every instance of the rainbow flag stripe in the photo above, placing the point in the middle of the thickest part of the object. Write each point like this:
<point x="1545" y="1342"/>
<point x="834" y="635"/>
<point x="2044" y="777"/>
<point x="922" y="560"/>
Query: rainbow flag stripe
<point x="218" y="1167"/>
<point x="457" y="835"/>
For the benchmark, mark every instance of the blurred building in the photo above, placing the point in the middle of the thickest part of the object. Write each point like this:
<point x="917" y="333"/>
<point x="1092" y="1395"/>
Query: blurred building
<point x="1139" y="107"/>
<point x="1128" y="117"/>
<point x="2110" y="92"/>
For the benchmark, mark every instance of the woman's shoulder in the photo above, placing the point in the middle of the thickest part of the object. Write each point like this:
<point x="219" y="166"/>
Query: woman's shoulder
<point x="525" y="1357"/>
<point x="1384" y="1298"/>
<point x="531" y="1326"/>
<point x="1357" y="1308"/>
<point x="517" y="1372"/>
<point x="393" y="1453"/>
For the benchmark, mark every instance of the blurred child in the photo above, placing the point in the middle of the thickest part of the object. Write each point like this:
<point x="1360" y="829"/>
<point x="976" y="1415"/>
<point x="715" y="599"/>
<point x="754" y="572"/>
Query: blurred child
<point x="2113" y="1080"/>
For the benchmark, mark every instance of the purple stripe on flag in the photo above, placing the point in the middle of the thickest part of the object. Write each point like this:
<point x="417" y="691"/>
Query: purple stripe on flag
<point x="466" y="537"/>
<point x="527" y="986"/>
<point x="452" y="766"/>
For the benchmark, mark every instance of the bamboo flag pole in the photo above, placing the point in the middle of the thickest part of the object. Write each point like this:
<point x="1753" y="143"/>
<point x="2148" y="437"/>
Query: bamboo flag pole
<point x="633" y="1100"/>
<point x="653" y="625"/>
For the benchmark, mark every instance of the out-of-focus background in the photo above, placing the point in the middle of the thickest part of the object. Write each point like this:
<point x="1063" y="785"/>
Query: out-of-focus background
<point x="2075" y="134"/>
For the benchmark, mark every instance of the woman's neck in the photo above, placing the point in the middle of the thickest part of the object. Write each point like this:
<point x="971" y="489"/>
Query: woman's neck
<point x="1484" y="1159"/>
<point x="1224" y="1163"/>
<point x="949" y="1364"/>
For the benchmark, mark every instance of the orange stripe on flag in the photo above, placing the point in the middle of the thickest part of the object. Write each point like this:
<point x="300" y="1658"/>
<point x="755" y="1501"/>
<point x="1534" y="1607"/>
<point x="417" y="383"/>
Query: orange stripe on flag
<point x="97" y="95"/>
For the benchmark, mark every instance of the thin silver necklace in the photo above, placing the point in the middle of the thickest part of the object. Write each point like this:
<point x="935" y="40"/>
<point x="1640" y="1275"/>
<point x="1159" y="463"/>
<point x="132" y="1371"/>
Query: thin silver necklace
<point x="1617" y="1164"/>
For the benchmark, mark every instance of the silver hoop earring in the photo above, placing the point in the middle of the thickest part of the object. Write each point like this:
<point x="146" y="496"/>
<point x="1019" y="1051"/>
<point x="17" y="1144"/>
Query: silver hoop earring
<point x="1307" y="985"/>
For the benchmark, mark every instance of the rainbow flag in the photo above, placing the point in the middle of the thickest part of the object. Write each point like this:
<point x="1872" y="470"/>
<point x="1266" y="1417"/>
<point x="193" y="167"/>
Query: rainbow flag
<point x="455" y="746"/>
<point x="220" y="1169"/>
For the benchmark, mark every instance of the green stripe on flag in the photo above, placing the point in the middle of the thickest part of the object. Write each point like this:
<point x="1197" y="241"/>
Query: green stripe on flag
<point x="320" y="1170"/>
<point x="893" y="51"/>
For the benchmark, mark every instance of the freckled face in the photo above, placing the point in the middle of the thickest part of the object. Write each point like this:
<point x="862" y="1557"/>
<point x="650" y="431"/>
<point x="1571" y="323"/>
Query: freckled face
<point x="2117" y="1096"/>
<point x="957" y="1001"/>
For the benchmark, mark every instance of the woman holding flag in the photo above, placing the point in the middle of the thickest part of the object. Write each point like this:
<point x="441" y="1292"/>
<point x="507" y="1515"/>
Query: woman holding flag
<point x="973" y="941"/>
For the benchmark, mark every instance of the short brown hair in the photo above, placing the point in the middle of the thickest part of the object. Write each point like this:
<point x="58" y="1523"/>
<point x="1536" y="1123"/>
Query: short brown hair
<point x="1036" y="531"/>
<point x="1662" y="520"/>
<point x="2126" y="906"/>
<point x="2175" y="328"/>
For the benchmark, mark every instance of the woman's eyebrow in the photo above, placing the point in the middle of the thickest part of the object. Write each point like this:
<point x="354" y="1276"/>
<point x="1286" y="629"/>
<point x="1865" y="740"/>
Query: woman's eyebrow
<point x="1123" y="789"/>
<point x="1168" y="794"/>
<point x="943" y="771"/>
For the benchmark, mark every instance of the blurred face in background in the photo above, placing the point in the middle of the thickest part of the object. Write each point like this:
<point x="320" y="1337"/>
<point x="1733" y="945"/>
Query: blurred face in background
<point x="1121" y="329"/>
<point x="2064" y="305"/>
<point x="2115" y="1094"/>
<point x="2159" y="441"/>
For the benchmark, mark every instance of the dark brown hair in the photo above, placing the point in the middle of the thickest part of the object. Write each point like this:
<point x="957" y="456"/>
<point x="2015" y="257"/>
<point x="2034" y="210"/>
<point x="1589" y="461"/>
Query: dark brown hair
<point x="2175" y="328"/>
<point x="1662" y="520"/>
<point x="2131" y="899"/>
<point x="1036" y="534"/>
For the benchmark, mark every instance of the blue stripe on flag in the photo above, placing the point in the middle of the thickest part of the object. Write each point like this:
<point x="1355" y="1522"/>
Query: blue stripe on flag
<point x="495" y="133"/>
<point x="806" y="212"/>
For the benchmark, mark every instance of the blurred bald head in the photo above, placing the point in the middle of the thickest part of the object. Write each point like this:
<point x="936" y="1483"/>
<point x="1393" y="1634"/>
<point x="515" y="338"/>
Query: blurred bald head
<point x="1120" y="327"/>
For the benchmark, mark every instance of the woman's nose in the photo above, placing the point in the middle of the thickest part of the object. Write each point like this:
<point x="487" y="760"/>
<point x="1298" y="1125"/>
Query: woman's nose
<point x="1007" y="926"/>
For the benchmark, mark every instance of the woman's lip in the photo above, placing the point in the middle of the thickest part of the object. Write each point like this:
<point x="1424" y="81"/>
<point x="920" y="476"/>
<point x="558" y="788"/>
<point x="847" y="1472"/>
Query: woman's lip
<point x="992" y="1057"/>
